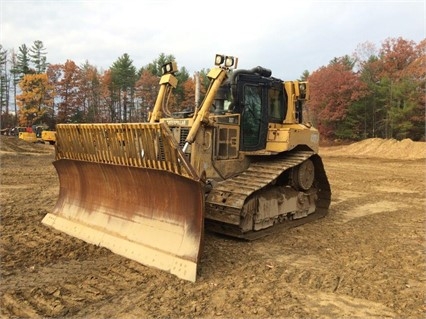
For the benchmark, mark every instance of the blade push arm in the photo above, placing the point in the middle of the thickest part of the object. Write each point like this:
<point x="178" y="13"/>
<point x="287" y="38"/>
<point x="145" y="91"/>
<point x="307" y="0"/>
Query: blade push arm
<point x="167" y="82"/>
<point x="217" y="76"/>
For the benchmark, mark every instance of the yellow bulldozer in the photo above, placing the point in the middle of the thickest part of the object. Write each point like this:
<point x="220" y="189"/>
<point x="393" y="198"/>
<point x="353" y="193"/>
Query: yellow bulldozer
<point x="243" y="163"/>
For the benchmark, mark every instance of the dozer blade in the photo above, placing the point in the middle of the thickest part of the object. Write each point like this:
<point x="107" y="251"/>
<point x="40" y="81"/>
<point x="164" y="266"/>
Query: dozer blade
<point x="129" y="188"/>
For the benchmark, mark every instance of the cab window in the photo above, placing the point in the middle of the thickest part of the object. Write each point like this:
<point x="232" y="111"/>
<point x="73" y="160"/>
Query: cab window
<point x="277" y="107"/>
<point x="252" y="115"/>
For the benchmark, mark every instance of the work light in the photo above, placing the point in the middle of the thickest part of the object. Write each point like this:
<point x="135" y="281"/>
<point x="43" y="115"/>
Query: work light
<point x="219" y="59"/>
<point x="170" y="67"/>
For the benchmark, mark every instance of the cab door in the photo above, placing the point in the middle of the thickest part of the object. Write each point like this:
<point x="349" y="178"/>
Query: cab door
<point x="254" y="115"/>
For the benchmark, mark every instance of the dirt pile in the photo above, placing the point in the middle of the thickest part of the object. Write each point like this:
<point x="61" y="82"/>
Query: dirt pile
<point x="12" y="144"/>
<point x="379" y="148"/>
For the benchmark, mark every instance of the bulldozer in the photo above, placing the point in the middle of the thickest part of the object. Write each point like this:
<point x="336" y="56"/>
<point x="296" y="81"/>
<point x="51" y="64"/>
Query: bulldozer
<point x="242" y="163"/>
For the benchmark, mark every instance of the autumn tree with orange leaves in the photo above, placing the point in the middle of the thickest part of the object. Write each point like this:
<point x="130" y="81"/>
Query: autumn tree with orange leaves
<point x="146" y="90"/>
<point x="68" y="89"/>
<point x="334" y="89"/>
<point x="36" y="99"/>
<point x="194" y="90"/>
<point x="91" y="93"/>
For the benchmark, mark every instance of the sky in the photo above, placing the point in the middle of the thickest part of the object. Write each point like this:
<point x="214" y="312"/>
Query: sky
<point x="287" y="37"/>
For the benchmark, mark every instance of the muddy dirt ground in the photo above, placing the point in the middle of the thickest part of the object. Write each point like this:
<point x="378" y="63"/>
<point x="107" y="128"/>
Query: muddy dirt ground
<point x="365" y="259"/>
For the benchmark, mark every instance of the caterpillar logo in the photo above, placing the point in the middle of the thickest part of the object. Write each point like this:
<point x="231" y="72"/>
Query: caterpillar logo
<point x="177" y="122"/>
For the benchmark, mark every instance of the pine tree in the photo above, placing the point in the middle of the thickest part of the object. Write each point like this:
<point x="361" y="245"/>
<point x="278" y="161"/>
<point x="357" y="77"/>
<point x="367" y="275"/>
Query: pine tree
<point x="38" y="56"/>
<point x="23" y="65"/>
<point x="123" y="83"/>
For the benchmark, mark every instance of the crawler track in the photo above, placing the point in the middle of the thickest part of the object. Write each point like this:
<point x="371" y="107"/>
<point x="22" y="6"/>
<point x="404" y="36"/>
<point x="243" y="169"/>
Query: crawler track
<point x="225" y="203"/>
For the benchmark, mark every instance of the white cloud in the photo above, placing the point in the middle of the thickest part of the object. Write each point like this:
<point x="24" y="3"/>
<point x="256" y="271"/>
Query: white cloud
<point x="287" y="37"/>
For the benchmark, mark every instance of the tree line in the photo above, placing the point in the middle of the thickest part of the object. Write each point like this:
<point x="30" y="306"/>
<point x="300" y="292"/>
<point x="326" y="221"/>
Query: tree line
<point x="371" y="93"/>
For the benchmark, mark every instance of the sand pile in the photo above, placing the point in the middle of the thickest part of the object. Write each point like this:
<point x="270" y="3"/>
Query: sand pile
<point x="380" y="148"/>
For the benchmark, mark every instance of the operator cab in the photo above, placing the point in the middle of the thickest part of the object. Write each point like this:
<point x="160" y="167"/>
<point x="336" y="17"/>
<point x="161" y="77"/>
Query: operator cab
<point x="259" y="98"/>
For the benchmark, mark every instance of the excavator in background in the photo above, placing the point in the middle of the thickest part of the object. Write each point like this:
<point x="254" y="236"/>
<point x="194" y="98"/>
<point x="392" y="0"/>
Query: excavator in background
<point x="243" y="163"/>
